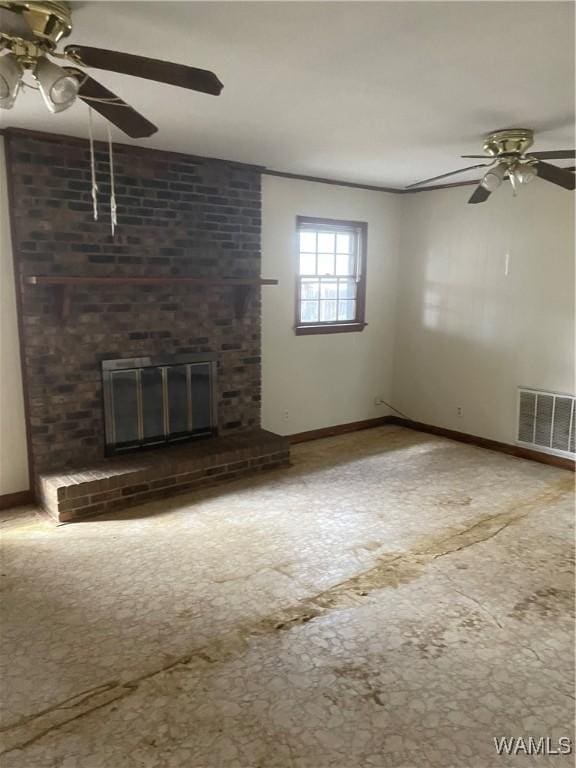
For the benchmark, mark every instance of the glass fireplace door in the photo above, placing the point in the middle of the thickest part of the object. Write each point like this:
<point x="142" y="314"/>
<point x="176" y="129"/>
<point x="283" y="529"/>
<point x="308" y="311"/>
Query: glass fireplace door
<point x="126" y="408"/>
<point x="152" y="384"/>
<point x="149" y="404"/>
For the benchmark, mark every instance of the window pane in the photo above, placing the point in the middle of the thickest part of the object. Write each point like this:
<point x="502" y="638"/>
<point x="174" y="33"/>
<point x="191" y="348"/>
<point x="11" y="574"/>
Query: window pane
<point x="346" y="310"/>
<point x="328" y="289"/>
<point x="347" y="289"/>
<point x="309" y="311"/>
<point x="329" y="280"/>
<point x="310" y="289"/>
<point x="343" y="243"/>
<point x="308" y="241"/>
<point x="344" y="264"/>
<point x="325" y="264"/>
<point x="307" y="264"/>
<point x="328" y="311"/>
<point x="326" y="242"/>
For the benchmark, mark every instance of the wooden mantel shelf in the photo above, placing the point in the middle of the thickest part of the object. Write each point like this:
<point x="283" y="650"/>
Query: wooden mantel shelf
<point x="243" y="287"/>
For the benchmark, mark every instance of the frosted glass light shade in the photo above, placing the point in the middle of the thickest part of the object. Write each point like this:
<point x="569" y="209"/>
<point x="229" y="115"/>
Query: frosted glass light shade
<point x="494" y="177"/>
<point x="58" y="88"/>
<point x="525" y="173"/>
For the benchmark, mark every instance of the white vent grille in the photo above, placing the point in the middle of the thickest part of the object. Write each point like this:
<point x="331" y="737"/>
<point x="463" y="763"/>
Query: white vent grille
<point x="547" y="421"/>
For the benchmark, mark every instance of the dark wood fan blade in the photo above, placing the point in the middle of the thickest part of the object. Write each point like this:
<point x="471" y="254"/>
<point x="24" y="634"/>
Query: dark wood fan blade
<point x="117" y="112"/>
<point x="151" y="69"/>
<point x="480" y="195"/>
<point x="558" y="154"/>
<point x="445" y="175"/>
<point x="476" y="157"/>
<point x="560" y="176"/>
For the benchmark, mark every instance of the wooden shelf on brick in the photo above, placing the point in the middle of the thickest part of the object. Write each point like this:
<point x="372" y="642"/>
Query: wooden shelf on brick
<point x="243" y="288"/>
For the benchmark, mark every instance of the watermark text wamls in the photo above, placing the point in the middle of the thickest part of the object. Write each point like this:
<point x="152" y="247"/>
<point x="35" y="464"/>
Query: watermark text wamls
<point x="530" y="745"/>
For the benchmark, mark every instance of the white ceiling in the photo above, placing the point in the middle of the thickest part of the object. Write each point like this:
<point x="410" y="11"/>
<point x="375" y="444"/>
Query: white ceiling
<point x="381" y="93"/>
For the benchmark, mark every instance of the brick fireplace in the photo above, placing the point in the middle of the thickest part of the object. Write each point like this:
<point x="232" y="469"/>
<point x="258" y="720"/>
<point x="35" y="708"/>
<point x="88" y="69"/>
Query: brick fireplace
<point x="174" y="281"/>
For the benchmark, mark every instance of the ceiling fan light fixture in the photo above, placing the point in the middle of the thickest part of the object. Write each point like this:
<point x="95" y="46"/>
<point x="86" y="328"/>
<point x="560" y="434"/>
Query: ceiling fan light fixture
<point x="525" y="173"/>
<point x="10" y="77"/>
<point x="58" y="87"/>
<point x="494" y="177"/>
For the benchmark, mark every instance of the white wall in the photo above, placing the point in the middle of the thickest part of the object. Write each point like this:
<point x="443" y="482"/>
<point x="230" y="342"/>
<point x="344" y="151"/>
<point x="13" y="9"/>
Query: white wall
<point x="468" y="334"/>
<point x="13" y="455"/>
<point x="324" y="380"/>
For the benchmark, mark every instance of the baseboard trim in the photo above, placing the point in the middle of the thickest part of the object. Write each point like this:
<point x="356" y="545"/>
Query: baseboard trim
<point x="451" y="434"/>
<point x="18" y="499"/>
<point x="484" y="442"/>
<point x="339" y="429"/>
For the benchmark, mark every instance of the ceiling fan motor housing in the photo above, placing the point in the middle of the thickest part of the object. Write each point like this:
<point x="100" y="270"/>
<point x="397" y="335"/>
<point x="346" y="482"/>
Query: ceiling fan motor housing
<point x="49" y="20"/>
<point x="511" y="140"/>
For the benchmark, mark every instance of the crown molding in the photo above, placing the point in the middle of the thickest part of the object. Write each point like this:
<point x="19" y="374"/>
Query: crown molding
<point x="334" y="182"/>
<point x="57" y="138"/>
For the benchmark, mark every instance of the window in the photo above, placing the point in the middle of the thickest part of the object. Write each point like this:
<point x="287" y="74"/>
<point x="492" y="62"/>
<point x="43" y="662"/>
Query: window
<point x="331" y="285"/>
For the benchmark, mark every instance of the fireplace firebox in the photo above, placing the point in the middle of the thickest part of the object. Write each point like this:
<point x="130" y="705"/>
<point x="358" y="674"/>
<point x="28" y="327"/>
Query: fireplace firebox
<point x="150" y="401"/>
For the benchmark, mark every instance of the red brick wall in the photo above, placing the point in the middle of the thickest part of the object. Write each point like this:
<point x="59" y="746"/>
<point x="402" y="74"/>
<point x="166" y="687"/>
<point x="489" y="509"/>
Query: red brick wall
<point x="177" y="215"/>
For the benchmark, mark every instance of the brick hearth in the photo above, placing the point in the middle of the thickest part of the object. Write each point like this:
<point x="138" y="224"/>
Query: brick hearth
<point x="124" y="481"/>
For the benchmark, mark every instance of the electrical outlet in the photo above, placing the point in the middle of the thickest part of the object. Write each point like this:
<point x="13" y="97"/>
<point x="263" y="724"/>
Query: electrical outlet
<point x="285" y="416"/>
<point x="459" y="411"/>
<point x="379" y="400"/>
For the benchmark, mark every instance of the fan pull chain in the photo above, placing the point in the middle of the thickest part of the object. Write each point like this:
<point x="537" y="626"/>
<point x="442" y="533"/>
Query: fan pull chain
<point x="113" y="217"/>
<point x="93" y="165"/>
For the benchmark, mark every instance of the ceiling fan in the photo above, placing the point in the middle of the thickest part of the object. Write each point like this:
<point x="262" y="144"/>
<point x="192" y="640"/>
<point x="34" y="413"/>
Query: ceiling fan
<point x="508" y="158"/>
<point x="29" y="36"/>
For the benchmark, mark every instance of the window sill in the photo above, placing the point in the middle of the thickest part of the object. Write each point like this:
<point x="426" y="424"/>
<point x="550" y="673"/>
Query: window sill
<point x="311" y="330"/>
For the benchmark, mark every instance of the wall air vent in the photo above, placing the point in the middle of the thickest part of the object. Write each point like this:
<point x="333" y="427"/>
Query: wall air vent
<point x="547" y="421"/>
